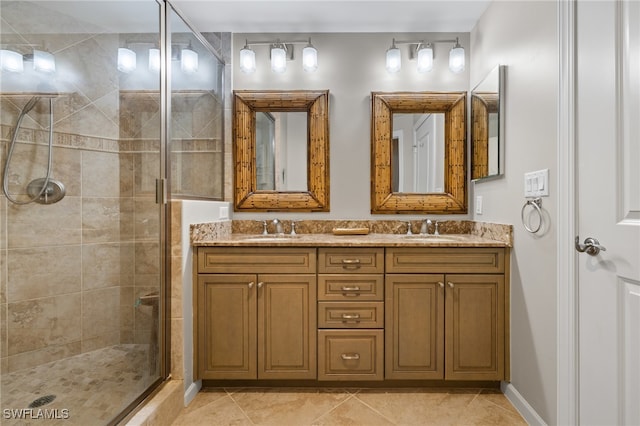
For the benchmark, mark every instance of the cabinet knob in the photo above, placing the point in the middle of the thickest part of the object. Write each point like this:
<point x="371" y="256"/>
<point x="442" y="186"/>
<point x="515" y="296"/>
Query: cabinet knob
<point x="250" y="285"/>
<point x="260" y="284"/>
<point x="450" y="284"/>
<point x="441" y="284"/>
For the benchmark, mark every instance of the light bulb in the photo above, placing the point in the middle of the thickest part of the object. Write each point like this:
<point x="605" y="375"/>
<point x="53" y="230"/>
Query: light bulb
<point x="425" y="59"/>
<point x="247" y="60"/>
<point x="456" y="59"/>
<point x="394" y="61"/>
<point x="126" y="60"/>
<point x="278" y="60"/>
<point x="309" y="58"/>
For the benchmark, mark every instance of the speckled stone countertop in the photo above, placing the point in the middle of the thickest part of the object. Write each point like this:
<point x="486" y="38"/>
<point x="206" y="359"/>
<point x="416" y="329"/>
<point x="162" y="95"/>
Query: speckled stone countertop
<point x="382" y="234"/>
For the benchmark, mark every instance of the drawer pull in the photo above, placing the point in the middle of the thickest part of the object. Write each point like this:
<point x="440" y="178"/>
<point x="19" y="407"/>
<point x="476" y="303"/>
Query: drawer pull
<point x="350" y="316"/>
<point x="350" y="289"/>
<point x="350" y="261"/>
<point x="348" y="357"/>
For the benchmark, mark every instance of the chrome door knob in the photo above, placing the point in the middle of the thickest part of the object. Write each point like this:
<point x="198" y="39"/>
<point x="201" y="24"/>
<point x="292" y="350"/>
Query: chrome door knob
<point x="591" y="246"/>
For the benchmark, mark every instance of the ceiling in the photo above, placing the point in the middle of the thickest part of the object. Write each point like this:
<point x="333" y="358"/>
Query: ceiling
<point x="295" y="16"/>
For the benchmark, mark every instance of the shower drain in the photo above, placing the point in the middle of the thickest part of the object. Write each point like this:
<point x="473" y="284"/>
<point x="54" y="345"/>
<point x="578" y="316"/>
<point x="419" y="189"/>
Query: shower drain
<point x="43" y="400"/>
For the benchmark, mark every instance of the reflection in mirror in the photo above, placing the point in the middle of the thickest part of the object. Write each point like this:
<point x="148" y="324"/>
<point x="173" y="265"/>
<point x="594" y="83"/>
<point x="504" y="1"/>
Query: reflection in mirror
<point x="281" y="151"/>
<point x="487" y="117"/>
<point x="431" y="185"/>
<point x="417" y="153"/>
<point x="286" y="168"/>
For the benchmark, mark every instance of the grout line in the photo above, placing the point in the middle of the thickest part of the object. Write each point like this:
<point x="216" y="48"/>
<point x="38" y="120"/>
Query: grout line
<point x="230" y="396"/>
<point x="350" y="396"/>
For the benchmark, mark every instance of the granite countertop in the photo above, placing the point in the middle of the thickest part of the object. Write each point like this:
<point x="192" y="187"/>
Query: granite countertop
<point x="370" y="240"/>
<point x="320" y="233"/>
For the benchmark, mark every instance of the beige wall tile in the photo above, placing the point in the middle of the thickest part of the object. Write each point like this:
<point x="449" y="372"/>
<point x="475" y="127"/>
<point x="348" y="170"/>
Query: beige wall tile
<point x="43" y="272"/>
<point x="147" y="219"/>
<point x="3" y="276"/>
<point x="100" y="312"/>
<point x="36" y="324"/>
<point x="108" y="339"/>
<point x="3" y="331"/>
<point x="107" y="219"/>
<point x="35" y="225"/>
<point x="177" y="349"/>
<point x="176" y="287"/>
<point x="101" y="172"/>
<point x="127" y="306"/>
<point x="42" y="356"/>
<point x="147" y="258"/>
<point x="139" y="115"/>
<point x="107" y="265"/>
<point x="147" y="170"/>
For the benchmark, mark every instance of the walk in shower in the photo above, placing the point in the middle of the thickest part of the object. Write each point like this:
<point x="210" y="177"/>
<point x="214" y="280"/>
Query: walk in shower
<point x="82" y="270"/>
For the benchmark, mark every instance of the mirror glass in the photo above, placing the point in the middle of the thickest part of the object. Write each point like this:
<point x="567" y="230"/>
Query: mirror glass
<point x="417" y="153"/>
<point x="487" y="143"/>
<point x="281" y="151"/>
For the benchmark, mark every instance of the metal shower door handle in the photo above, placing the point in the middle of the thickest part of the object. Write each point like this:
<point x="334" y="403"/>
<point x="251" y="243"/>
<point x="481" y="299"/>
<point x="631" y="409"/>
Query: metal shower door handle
<point x="591" y="246"/>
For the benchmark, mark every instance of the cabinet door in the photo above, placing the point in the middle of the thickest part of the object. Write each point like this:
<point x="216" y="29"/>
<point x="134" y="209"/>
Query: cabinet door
<point x="414" y="325"/>
<point x="474" y="327"/>
<point x="287" y="326"/>
<point x="226" y="326"/>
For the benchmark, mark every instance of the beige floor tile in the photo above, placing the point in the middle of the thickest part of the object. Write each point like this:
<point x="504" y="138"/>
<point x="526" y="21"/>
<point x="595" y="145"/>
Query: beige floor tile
<point x="288" y="406"/>
<point x="484" y="412"/>
<point x="205" y="397"/>
<point x="352" y="412"/>
<point x="222" y="411"/>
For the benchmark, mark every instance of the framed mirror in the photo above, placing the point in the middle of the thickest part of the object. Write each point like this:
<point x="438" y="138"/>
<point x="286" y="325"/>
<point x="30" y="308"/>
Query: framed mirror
<point x="273" y="131"/>
<point x="487" y="126"/>
<point x="418" y="152"/>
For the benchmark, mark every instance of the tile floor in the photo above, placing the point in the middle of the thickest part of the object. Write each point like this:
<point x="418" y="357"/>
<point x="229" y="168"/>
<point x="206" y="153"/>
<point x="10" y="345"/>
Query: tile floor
<point x="94" y="387"/>
<point x="298" y="407"/>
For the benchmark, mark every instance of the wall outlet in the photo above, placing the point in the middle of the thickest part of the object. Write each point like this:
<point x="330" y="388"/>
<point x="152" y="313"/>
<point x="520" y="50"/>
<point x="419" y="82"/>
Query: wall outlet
<point x="478" y="204"/>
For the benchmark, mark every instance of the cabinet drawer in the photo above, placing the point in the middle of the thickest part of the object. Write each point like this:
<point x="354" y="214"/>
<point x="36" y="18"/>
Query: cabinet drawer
<point x="445" y="260"/>
<point x="350" y="354"/>
<point x="256" y="260"/>
<point x="350" y="260"/>
<point x="351" y="315"/>
<point x="354" y="287"/>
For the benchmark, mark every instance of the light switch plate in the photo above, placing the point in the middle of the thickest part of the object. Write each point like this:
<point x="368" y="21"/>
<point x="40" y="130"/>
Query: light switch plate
<point x="536" y="184"/>
<point x="224" y="212"/>
<point x="478" y="204"/>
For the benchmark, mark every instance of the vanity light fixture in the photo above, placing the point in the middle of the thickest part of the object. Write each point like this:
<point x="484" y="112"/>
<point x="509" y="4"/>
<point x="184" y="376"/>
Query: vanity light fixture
<point x="423" y="52"/>
<point x="11" y="61"/>
<point x="189" y="60"/>
<point x="154" y="59"/>
<point x="44" y="61"/>
<point x="280" y="52"/>
<point x="126" y="60"/>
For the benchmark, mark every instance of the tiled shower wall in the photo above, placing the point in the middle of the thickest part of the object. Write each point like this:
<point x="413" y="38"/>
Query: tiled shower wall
<point x="70" y="272"/>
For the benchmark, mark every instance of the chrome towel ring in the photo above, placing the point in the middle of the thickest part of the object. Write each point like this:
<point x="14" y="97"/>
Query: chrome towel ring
<point x="536" y="203"/>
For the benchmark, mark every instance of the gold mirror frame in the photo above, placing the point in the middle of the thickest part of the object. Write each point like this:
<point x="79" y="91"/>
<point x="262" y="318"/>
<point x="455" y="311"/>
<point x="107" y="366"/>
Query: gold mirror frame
<point x="245" y="105"/>
<point x="454" y="198"/>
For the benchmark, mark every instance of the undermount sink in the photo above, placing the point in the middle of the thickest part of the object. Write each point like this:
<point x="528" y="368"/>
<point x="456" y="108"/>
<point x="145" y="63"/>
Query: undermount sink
<point x="270" y="237"/>
<point x="433" y="238"/>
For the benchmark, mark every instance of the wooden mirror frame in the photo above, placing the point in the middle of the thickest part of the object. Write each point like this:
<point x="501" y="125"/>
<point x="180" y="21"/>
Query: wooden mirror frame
<point x="454" y="198"/>
<point x="245" y="105"/>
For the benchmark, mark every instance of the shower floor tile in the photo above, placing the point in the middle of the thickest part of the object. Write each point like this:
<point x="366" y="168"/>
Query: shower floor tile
<point x="93" y="387"/>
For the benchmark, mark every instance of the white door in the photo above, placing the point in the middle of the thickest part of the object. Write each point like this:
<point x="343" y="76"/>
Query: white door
<point x="608" y="153"/>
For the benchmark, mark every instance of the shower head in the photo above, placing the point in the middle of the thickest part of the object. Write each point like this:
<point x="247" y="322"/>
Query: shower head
<point x="29" y="106"/>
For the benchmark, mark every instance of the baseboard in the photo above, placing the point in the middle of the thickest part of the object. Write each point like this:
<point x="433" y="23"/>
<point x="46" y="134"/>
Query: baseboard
<point x="521" y="404"/>
<point x="191" y="392"/>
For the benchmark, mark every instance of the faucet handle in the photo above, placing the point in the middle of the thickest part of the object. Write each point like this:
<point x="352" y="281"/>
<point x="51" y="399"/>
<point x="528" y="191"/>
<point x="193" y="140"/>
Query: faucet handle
<point x="264" y="228"/>
<point x="436" y="231"/>
<point x="293" y="227"/>
<point x="409" y="232"/>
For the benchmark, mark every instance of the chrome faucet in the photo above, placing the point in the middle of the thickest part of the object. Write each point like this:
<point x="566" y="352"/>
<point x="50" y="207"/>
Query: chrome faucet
<point x="278" y="225"/>
<point x="424" y="229"/>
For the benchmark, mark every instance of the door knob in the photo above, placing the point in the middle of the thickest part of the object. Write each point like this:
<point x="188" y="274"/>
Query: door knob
<point x="591" y="246"/>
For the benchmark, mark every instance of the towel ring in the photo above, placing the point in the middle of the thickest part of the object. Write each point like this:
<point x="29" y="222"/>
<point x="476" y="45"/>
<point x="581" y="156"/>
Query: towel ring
<point x="535" y="203"/>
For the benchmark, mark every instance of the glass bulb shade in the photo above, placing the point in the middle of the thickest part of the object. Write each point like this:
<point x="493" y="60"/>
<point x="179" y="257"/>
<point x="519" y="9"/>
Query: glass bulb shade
<point x="247" y="60"/>
<point x="456" y="60"/>
<point x="309" y="59"/>
<point x="394" y="61"/>
<point x="278" y="60"/>
<point x="126" y="60"/>
<point x="44" y="61"/>
<point x="189" y="61"/>
<point x="154" y="60"/>
<point x="425" y="59"/>
<point x="11" y="61"/>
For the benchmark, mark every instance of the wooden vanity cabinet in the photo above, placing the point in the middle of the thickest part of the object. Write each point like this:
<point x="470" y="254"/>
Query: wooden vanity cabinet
<point x="258" y="324"/>
<point x="449" y="325"/>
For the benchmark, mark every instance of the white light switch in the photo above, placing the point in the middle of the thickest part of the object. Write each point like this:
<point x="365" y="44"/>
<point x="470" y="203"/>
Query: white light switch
<point x="536" y="184"/>
<point x="224" y="212"/>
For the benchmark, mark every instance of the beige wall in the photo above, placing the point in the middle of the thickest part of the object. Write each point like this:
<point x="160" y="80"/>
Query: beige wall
<point x="351" y="66"/>
<point x="523" y="36"/>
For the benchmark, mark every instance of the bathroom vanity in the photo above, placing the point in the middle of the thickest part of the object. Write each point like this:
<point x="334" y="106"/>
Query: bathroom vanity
<point x="377" y="307"/>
